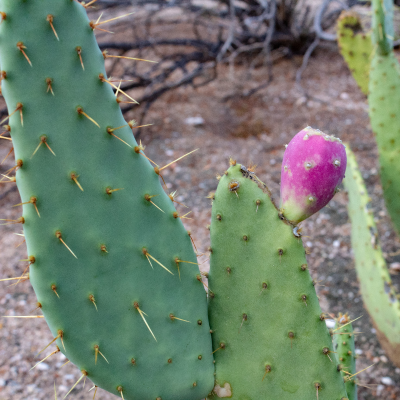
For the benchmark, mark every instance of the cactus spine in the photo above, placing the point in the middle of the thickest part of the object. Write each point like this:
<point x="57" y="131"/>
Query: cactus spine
<point x="269" y="336"/>
<point x="111" y="264"/>
<point x="379" y="295"/>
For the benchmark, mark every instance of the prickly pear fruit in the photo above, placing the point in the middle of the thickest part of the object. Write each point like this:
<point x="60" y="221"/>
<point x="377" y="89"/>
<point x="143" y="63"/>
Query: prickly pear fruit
<point x="313" y="166"/>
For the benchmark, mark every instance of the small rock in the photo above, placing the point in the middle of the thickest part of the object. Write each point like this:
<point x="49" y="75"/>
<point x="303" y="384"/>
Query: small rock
<point x="384" y="359"/>
<point x="30" y="388"/>
<point x="379" y="389"/>
<point x="387" y="380"/>
<point x="394" y="267"/>
<point x="344" y="96"/>
<point x="359" y="352"/>
<point x="301" y="100"/>
<point x="312" y="104"/>
<point x="43" y="367"/>
<point x="195" y="121"/>
<point x="62" y="388"/>
<point x="169" y="152"/>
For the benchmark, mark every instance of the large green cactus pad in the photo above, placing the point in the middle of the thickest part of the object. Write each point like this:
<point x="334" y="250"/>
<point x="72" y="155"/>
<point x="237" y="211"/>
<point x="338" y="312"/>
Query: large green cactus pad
<point x="376" y="287"/>
<point x="345" y="349"/>
<point x="108" y="266"/>
<point x="269" y="336"/>
<point x="355" y="46"/>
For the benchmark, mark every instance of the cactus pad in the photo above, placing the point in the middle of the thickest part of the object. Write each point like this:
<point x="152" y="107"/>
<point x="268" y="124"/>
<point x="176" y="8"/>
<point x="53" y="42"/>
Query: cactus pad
<point x="383" y="100"/>
<point x="377" y="290"/>
<point x="355" y="47"/>
<point x="269" y="336"/>
<point x="111" y="263"/>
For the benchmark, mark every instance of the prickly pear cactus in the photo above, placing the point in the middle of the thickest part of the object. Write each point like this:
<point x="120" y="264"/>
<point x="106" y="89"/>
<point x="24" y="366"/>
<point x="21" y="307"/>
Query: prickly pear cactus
<point x="269" y="336"/>
<point x="379" y="295"/>
<point x="355" y="46"/>
<point x="313" y="167"/>
<point x="111" y="263"/>
<point x="383" y="99"/>
<point x="343" y="340"/>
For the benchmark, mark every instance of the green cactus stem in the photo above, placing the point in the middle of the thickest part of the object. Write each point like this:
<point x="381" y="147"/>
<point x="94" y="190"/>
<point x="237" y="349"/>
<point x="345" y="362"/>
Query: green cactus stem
<point x="270" y="339"/>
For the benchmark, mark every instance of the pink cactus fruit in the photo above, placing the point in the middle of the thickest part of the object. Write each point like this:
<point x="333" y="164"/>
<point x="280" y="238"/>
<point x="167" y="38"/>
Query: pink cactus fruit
<point x="313" y="166"/>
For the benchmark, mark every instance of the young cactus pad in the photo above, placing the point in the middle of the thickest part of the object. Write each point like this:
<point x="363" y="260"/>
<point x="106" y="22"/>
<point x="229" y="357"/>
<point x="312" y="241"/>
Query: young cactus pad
<point x="313" y="166"/>
<point x="355" y="46"/>
<point x="378" y="293"/>
<point x="343" y="339"/>
<point x="270" y="339"/>
<point x="111" y="264"/>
